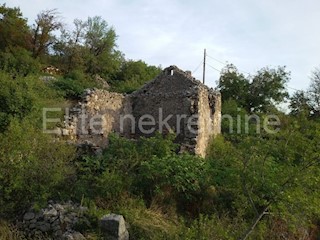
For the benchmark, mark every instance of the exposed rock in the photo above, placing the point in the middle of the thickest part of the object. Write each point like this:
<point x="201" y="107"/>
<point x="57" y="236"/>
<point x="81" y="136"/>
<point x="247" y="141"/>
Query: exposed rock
<point x="50" y="213"/>
<point x="102" y="82"/>
<point x="28" y="216"/>
<point x="72" y="235"/>
<point x="47" y="78"/>
<point x="44" y="227"/>
<point x="113" y="227"/>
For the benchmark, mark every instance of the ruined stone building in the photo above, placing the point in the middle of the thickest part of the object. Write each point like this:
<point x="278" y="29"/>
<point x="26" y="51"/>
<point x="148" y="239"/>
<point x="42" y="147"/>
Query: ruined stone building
<point x="172" y="102"/>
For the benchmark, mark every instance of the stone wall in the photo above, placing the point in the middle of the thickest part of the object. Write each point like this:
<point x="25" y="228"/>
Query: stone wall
<point x="169" y="96"/>
<point x="177" y="96"/>
<point x="209" y="105"/>
<point x="172" y="102"/>
<point x="57" y="220"/>
<point x="63" y="221"/>
<point x="97" y="115"/>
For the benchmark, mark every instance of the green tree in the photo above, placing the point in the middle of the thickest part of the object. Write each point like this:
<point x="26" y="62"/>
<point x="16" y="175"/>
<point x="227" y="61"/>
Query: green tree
<point x="70" y="47"/>
<point x="300" y="104"/>
<point x="256" y="93"/>
<point x="43" y="32"/>
<point x="233" y="85"/>
<point x="268" y="87"/>
<point x="102" y="57"/>
<point x="15" y="43"/>
<point x="14" y="31"/>
<point x="314" y="92"/>
<point x="90" y="47"/>
<point x="132" y="75"/>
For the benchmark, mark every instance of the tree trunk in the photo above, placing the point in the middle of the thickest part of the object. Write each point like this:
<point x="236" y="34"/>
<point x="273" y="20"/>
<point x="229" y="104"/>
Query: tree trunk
<point x="254" y="223"/>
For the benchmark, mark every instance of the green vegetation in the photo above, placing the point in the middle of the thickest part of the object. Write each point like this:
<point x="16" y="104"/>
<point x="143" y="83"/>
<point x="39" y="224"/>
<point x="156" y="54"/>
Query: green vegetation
<point x="252" y="184"/>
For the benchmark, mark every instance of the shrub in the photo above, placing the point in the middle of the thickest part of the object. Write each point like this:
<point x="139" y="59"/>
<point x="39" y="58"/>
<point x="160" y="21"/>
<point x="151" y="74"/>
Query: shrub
<point x="18" y="61"/>
<point x="178" y="176"/>
<point x="24" y="97"/>
<point x="95" y="180"/>
<point x="14" y="100"/>
<point x="33" y="166"/>
<point x="73" y="84"/>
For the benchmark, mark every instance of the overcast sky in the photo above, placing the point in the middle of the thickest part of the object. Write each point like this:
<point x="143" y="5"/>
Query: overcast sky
<point x="248" y="33"/>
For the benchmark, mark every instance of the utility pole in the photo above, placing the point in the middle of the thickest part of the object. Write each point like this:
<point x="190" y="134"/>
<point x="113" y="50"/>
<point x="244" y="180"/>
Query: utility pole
<point x="204" y="66"/>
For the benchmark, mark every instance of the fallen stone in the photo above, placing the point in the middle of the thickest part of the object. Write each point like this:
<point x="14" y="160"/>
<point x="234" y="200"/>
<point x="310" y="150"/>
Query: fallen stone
<point x="32" y="226"/>
<point x="50" y="213"/>
<point x="73" y="236"/>
<point x="113" y="226"/>
<point x="44" y="227"/>
<point x="28" y="216"/>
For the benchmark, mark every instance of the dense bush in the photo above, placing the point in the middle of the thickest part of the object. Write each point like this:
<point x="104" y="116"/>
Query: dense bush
<point x="72" y="85"/>
<point x="18" y="62"/>
<point x="32" y="167"/>
<point x="120" y="164"/>
<point x="24" y="96"/>
<point x="132" y="75"/>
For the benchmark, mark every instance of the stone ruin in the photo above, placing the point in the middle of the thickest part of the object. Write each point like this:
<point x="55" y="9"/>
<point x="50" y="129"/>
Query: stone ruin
<point x="172" y="102"/>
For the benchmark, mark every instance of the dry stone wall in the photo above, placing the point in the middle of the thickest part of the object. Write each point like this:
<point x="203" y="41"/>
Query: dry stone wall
<point x="63" y="221"/>
<point x="57" y="220"/>
<point x="97" y="115"/>
<point x="192" y="109"/>
<point x="209" y="118"/>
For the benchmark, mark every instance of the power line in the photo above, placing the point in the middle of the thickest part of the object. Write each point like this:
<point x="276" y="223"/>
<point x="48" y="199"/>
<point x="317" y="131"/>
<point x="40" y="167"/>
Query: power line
<point x="204" y="66"/>
<point x="214" y="68"/>
<point x="224" y="63"/>
<point x="196" y="69"/>
<point x="293" y="88"/>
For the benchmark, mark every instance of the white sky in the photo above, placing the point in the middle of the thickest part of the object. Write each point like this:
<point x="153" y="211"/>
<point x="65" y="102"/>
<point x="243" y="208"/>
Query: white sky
<point x="248" y="33"/>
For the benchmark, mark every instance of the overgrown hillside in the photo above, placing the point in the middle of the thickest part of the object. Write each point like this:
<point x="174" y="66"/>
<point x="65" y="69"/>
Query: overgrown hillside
<point x="259" y="180"/>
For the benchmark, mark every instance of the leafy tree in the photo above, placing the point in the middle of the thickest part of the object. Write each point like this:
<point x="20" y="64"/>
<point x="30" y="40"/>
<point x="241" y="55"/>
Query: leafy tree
<point x="99" y="36"/>
<point x="90" y="47"/>
<point x="268" y="88"/>
<point x="257" y="93"/>
<point x="43" y="32"/>
<point x="132" y="75"/>
<point x="300" y="104"/>
<point x="24" y="97"/>
<point x="14" y="29"/>
<point x="15" y="43"/>
<point x="100" y="41"/>
<point x="234" y="85"/>
<point x="72" y="85"/>
<point x="70" y="47"/>
<point x="314" y="92"/>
